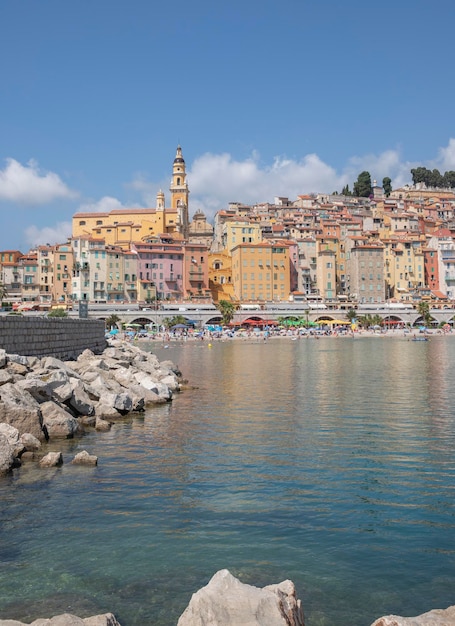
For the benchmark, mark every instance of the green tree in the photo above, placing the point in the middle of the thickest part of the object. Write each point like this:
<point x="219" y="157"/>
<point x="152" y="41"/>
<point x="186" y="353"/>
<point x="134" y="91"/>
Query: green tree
<point x="178" y="319"/>
<point x="3" y="292"/>
<point x="365" y="321"/>
<point x="424" y="310"/>
<point x="362" y="186"/>
<point x="346" y="191"/>
<point x="166" y="322"/>
<point x="449" y="179"/>
<point x="420" y="175"/>
<point x="227" y="310"/>
<point x="57" y="313"/>
<point x="387" y="186"/>
<point x="351" y="315"/>
<point x="112" y="320"/>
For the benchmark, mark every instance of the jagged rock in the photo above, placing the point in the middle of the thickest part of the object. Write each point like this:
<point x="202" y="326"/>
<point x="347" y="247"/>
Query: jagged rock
<point x="123" y="377"/>
<point x="37" y="388"/>
<point x="46" y="397"/>
<point x="17" y="369"/>
<point x="171" y="381"/>
<point x="143" y="397"/>
<point x="108" y="619"/>
<point x="80" y="400"/>
<point x="5" y="377"/>
<point x="102" y="425"/>
<point x="30" y="442"/>
<point x="21" y="410"/>
<point x="86" y="355"/>
<point x="84" y="458"/>
<point x="7" y="456"/>
<point x="225" y="601"/>
<point x="58" y="422"/>
<point x="97" y="386"/>
<point x="12" y="434"/>
<point x="18" y="358"/>
<point x="163" y="392"/>
<point x="436" y="617"/>
<point x="63" y="393"/>
<point x="52" y="459"/>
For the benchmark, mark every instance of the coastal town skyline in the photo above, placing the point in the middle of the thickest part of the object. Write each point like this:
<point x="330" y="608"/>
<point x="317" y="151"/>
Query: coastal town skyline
<point x="283" y="101"/>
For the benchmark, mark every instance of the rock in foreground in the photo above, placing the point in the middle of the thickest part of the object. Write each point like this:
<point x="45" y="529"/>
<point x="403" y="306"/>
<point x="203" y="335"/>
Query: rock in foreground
<point x="225" y="601"/>
<point x="437" y="617"/>
<point x="108" y="619"/>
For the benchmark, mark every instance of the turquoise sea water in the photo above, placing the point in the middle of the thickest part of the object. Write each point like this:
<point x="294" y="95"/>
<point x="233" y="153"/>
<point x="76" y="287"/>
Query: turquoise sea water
<point x="330" y="462"/>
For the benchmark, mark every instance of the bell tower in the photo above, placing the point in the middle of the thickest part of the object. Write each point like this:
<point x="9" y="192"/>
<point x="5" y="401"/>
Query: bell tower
<point x="180" y="192"/>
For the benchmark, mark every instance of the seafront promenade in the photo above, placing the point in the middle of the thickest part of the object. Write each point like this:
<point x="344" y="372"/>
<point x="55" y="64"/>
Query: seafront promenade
<point x="202" y="315"/>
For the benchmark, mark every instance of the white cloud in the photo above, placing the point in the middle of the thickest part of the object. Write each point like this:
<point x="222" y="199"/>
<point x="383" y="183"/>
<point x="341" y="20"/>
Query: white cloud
<point x="446" y="158"/>
<point x="217" y="179"/>
<point x="29" y="185"/>
<point x="104" y="204"/>
<point x="48" y="234"/>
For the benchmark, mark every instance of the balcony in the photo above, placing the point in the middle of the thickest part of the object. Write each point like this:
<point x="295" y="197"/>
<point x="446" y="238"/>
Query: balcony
<point x="82" y="267"/>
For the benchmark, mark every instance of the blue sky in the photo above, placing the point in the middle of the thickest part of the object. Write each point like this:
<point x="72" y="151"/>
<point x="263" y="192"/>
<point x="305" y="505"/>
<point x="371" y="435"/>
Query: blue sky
<point x="266" y="98"/>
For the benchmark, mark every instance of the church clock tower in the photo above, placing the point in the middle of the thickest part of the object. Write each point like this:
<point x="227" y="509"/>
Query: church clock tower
<point x="180" y="192"/>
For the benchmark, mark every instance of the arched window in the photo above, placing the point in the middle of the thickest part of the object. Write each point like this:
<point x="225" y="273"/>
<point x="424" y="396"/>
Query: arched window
<point x="178" y="180"/>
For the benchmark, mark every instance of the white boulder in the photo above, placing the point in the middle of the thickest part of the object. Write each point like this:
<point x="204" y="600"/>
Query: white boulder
<point x="225" y="601"/>
<point x="52" y="459"/>
<point x="436" y="617"/>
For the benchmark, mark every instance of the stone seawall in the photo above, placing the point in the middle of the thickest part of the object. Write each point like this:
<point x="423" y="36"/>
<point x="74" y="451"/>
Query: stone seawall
<point x="61" y="338"/>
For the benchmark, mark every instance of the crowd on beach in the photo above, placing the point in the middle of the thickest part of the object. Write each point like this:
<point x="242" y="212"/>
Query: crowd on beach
<point x="264" y="334"/>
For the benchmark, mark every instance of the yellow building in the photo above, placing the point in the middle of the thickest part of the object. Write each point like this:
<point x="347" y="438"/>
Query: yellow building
<point x="238" y="231"/>
<point x="404" y="266"/>
<point x="220" y="276"/>
<point x="120" y="227"/>
<point x="261" y="272"/>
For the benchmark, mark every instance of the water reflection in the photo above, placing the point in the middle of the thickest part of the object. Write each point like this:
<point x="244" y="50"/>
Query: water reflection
<point x="329" y="462"/>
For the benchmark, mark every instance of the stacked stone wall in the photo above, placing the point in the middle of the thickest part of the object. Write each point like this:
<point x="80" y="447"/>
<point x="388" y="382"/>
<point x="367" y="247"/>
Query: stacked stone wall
<point x="62" y="338"/>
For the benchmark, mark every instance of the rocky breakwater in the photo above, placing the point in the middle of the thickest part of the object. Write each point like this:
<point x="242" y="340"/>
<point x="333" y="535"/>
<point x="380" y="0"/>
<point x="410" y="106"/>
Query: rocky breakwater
<point x="46" y="399"/>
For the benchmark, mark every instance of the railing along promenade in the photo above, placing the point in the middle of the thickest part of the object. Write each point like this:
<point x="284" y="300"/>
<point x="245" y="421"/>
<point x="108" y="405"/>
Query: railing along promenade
<point x="200" y="316"/>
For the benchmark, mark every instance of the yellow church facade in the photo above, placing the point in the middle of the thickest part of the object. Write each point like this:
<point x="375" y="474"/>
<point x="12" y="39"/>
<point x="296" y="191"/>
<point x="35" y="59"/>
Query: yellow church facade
<point x="120" y="227"/>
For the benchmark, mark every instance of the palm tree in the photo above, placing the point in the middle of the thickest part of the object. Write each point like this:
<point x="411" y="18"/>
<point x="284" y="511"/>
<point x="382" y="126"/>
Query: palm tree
<point x="424" y="310"/>
<point x="365" y="321"/>
<point x="227" y="310"/>
<point x="112" y="320"/>
<point x="167" y="322"/>
<point x="178" y="319"/>
<point x="377" y="320"/>
<point x="351" y="315"/>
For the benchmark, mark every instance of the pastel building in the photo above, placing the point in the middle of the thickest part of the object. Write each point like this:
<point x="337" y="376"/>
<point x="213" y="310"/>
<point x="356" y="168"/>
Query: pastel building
<point x="261" y="271"/>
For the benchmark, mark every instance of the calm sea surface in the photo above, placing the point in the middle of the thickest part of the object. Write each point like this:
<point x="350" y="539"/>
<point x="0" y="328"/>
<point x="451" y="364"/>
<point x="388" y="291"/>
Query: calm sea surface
<point x="330" y="462"/>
